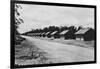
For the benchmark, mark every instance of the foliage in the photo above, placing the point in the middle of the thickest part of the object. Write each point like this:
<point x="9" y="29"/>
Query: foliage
<point x="18" y="20"/>
<point x="52" y="29"/>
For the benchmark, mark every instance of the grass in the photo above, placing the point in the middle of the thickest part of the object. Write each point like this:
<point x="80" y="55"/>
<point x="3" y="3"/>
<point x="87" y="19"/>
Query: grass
<point x="27" y="54"/>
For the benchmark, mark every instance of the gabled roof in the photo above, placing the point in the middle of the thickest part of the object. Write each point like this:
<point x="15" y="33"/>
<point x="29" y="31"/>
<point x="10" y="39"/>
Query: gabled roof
<point x="82" y="31"/>
<point x="30" y="33"/>
<point x="42" y="33"/>
<point x="37" y="33"/>
<point x="53" y="32"/>
<point x="33" y="33"/>
<point x="47" y="33"/>
<point x="65" y="31"/>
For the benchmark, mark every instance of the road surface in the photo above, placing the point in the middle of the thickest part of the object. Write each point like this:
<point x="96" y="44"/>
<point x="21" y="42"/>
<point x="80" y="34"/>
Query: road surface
<point x="63" y="52"/>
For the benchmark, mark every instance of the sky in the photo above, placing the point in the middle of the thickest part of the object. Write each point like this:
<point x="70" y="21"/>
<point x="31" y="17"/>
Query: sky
<point x="40" y="16"/>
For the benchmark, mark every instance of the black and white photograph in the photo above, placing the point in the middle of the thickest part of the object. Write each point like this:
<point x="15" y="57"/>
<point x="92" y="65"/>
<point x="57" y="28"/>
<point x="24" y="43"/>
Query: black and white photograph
<point x="52" y="34"/>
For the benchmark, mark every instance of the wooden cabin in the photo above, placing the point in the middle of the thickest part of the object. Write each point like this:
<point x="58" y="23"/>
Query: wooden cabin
<point x="54" y="34"/>
<point x="46" y="34"/>
<point x="42" y="34"/>
<point x="85" y="34"/>
<point x="63" y="33"/>
<point x="30" y="34"/>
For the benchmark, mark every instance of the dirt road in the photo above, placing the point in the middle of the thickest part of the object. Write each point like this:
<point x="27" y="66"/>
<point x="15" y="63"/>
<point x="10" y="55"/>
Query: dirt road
<point x="63" y="52"/>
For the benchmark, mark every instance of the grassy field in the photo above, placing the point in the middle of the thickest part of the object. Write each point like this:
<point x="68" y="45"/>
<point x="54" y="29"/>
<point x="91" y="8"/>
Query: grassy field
<point x="27" y="54"/>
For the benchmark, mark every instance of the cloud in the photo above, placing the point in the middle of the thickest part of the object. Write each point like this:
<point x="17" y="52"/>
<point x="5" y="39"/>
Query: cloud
<point x="39" y="16"/>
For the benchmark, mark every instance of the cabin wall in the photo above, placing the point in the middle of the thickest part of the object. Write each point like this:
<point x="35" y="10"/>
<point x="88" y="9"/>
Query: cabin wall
<point x="56" y="35"/>
<point x="89" y="35"/>
<point x="80" y="37"/>
<point x="62" y="37"/>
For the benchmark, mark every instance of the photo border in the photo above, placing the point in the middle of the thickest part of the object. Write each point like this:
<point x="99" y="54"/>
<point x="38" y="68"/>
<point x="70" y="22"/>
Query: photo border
<point x="12" y="31"/>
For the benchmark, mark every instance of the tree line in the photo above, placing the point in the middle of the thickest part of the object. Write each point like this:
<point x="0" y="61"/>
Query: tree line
<point x="55" y="28"/>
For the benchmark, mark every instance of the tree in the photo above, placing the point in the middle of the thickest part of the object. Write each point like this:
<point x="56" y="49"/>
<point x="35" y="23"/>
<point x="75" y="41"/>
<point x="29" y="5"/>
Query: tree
<point x="63" y="28"/>
<point x="70" y="34"/>
<point x="18" y="20"/>
<point x="80" y="27"/>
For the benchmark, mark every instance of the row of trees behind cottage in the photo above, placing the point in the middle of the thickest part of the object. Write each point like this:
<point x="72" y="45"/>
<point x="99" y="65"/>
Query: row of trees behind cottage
<point x="58" y="32"/>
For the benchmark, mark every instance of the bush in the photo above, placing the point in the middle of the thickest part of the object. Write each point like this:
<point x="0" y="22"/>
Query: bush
<point x="18" y="39"/>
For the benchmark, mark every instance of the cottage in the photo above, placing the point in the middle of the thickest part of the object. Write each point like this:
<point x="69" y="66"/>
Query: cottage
<point x="85" y="34"/>
<point x="63" y="33"/>
<point x="38" y="34"/>
<point x="35" y="34"/>
<point x="30" y="34"/>
<point x="42" y="34"/>
<point x="54" y="34"/>
<point x="47" y="33"/>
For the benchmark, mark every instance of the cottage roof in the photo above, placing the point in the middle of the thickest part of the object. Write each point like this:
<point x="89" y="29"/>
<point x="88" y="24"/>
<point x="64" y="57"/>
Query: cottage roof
<point x="65" y="31"/>
<point x="37" y="33"/>
<point x="47" y="33"/>
<point x="31" y="34"/>
<point x="82" y="31"/>
<point x="42" y="33"/>
<point x="53" y="32"/>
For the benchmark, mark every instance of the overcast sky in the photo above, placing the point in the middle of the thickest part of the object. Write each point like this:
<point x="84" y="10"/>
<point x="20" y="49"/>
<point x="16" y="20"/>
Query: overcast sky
<point x="40" y="16"/>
